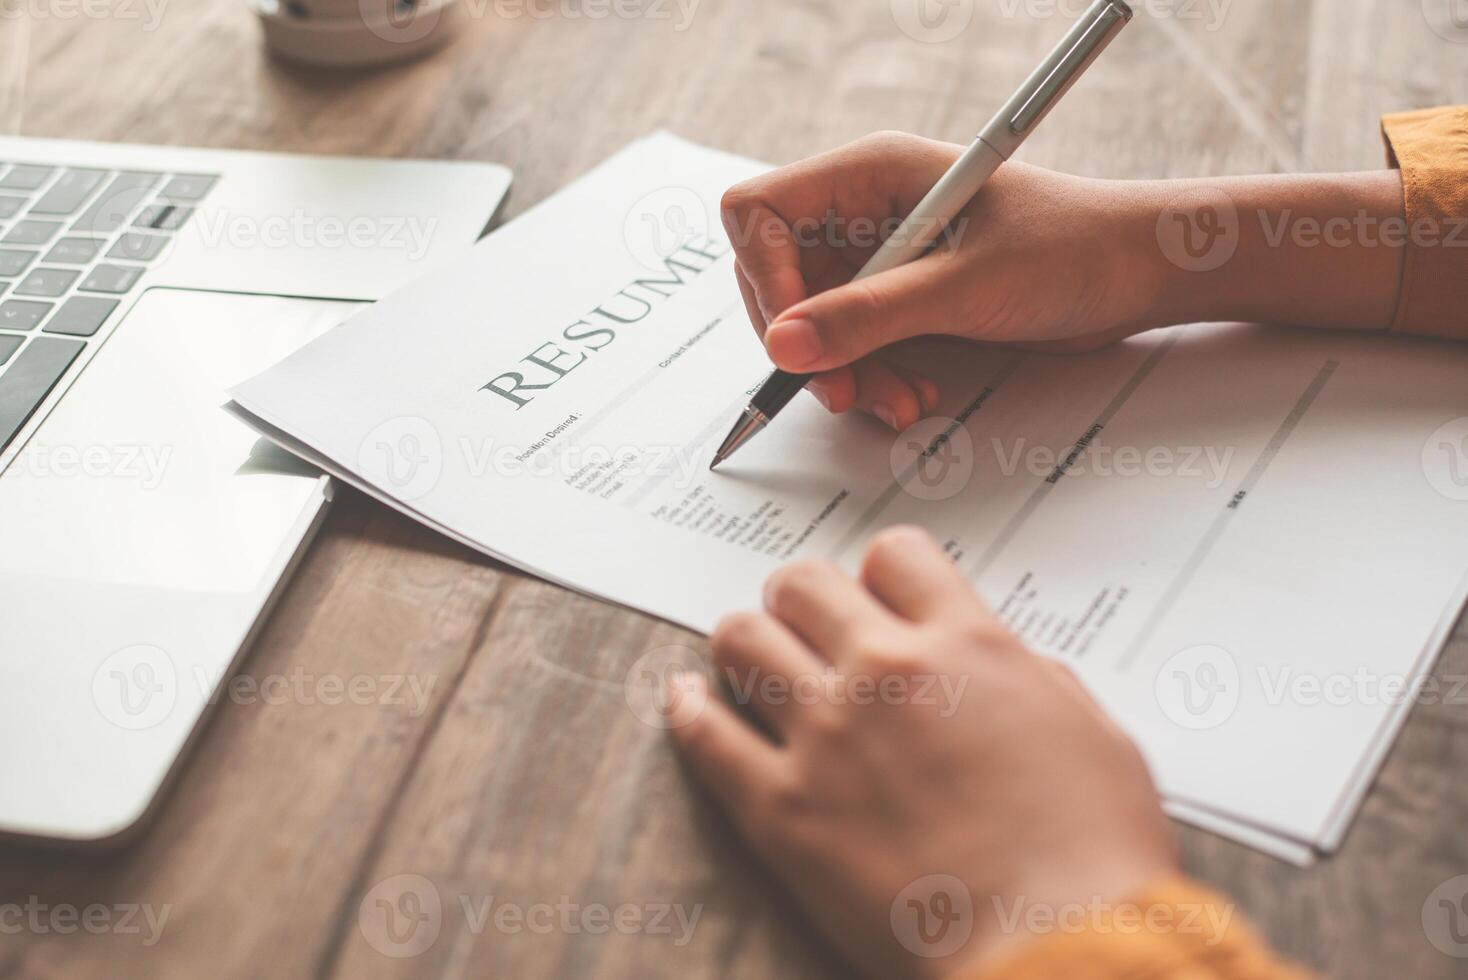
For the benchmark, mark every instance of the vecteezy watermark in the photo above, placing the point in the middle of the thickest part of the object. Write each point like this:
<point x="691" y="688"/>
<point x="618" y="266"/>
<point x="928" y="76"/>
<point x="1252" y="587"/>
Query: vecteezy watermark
<point x="407" y="457"/>
<point x="1448" y="19"/>
<point x="1208" y="465"/>
<point x="1445" y="917"/>
<point x="1018" y="916"/>
<point x="144" y="465"/>
<point x="934" y="916"/>
<point x="835" y="687"/>
<point x="933" y="21"/>
<point x="664" y="221"/>
<point x="404" y="456"/>
<point x="136" y="687"/>
<point x="753" y="225"/>
<point x="409" y="235"/>
<point x="936" y="458"/>
<point x="412" y="692"/>
<point x="148" y="13"/>
<point x="1202" y="687"/>
<point x="677" y="13"/>
<point x="403" y="916"/>
<point x="1208" y="14"/>
<point x="1281" y="684"/>
<point x="1445" y="459"/>
<point x="933" y="459"/>
<point x="1198" y="230"/>
<point x="40" y="918"/>
<point x="649" y="687"/>
<point x="1198" y="688"/>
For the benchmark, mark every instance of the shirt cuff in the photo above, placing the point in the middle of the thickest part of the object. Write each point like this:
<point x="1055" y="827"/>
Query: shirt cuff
<point x="1176" y="929"/>
<point x="1430" y="146"/>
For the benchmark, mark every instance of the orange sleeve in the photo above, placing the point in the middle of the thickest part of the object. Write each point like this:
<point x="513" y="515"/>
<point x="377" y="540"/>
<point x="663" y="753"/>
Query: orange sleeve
<point x="1431" y="148"/>
<point x="1175" y="930"/>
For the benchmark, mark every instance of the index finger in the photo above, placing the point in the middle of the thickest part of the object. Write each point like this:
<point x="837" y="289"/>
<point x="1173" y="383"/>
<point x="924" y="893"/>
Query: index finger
<point x="767" y="254"/>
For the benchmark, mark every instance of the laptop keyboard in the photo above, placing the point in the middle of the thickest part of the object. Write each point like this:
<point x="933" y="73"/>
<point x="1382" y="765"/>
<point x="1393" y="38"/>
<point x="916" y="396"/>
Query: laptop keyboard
<point x="74" y="241"/>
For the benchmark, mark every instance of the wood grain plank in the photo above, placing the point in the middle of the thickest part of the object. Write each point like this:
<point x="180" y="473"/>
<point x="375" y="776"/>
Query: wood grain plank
<point x="528" y="776"/>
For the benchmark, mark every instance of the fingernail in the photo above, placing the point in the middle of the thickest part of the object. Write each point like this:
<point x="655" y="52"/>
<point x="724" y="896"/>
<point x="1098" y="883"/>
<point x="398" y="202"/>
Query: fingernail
<point x="929" y="394"/>
<point x="820" y="396"/>
<point x="886" y="415"/>
<point x="794" y="344"/>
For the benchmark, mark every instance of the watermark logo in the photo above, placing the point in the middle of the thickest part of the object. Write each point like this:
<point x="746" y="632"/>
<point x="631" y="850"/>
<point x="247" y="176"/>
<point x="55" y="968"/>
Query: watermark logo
<point x="647" y="687"/>
<point x="143" y="920"/>
<point x="933" y="21"/>
<point x="1445" y="460"/>
<point x="1198" y="688"/>
<point x="401" y="21"/>
<point x="136" y="687"/>
<point x="1198" y="230"/>
<point x="933" y="459"/>
<point x="1209" y="14"/>
<point x="1448" y="19"/>
<point x="934" y="916"/>
<point x="404" y="456"/>
<point x="1445" y="917"/>
<point x="663" y="222"/>
<point x="147" y="13"/>
<point x="401" y="916"/>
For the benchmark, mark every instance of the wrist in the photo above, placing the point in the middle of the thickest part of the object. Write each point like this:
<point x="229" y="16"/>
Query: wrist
<point x="1299" y="250"/>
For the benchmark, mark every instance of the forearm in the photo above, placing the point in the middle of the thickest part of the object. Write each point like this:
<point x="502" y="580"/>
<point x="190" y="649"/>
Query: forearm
<point x="1300" y="250"/>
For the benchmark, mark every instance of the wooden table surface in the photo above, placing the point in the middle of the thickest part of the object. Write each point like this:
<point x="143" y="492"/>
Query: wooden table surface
<point x="524" y="776"/>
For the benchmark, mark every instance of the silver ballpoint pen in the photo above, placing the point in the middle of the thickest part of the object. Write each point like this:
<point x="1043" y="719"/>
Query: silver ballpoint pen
<point x="995" y="144"/>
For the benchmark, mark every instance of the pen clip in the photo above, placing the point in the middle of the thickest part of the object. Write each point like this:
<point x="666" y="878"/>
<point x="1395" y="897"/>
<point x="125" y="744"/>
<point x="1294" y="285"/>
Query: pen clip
<point x="1085" y="41"/>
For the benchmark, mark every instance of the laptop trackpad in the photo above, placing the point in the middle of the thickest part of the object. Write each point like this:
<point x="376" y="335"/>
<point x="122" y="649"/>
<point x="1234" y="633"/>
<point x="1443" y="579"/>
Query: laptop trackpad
<point x="139" y="477"/>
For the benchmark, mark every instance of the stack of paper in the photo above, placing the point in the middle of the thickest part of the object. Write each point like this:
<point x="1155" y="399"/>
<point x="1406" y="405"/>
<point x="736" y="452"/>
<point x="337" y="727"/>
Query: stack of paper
<point x="1249" y="543"/>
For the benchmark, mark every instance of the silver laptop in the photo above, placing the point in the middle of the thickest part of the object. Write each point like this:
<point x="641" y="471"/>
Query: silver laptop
<point x="143" y="531"/>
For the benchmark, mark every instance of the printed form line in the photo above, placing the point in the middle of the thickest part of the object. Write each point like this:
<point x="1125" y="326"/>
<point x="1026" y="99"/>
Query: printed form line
<point x="1221" y="522"/>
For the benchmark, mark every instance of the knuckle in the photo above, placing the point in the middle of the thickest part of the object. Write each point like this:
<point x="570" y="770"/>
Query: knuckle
<point x="794" y="581"/>
<point x="888" y="657"/>
<point x="738" y="199"/>
<point x="870" y="309"/>
<point x="888" y="139"/>
<point x="893" y="542"/>
<point x="734" y="631"/>
<point x="786" y="797"/>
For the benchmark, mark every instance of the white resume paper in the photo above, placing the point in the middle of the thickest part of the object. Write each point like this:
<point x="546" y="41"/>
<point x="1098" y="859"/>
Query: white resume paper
<point x="1250" y="543"/>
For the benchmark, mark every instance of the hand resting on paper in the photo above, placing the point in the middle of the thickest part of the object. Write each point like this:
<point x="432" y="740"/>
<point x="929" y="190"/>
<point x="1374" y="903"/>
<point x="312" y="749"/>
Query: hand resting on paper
<point x="914" y="742"/>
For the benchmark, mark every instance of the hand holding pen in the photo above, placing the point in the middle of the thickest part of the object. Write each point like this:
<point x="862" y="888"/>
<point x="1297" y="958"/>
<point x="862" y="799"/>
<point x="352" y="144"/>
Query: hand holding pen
<point x="777" y="275"/>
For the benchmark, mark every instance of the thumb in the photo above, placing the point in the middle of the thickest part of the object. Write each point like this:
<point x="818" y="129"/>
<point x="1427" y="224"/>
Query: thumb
<point x="842" y="325"/>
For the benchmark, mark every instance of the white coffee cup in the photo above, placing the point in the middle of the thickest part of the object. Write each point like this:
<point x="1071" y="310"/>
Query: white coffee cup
<point x="356" y="33"/>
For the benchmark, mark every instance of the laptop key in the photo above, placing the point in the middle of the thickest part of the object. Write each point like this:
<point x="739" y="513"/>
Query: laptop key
<point x="81" y="316"/>
<point x="70" y="190"/>
<point x="30" y="378"/>
<point x="137" y="248"/>
<point x="30" y="232"/>
<point x="22" y="314"/>
<point x="111" y="279"/>
<point x="116" y="202"/>
<point x="25" y="178"/>
<point x="10" y="206"/>
<point x="162" y="217"/>
<point x="188" y="187"/>
<point x="42" y="281"/>
<point x="13" y="261"/>
<point x="9" y="344"/>
<point x="75" y="251"/>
